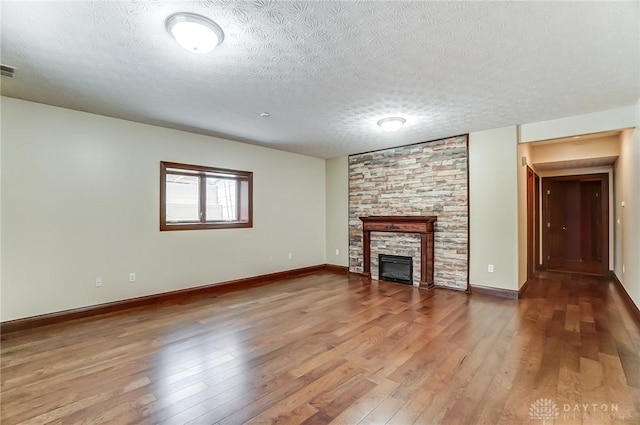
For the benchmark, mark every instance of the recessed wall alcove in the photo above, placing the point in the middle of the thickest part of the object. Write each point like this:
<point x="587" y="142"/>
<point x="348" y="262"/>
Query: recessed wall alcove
<point x="425" y="179"/>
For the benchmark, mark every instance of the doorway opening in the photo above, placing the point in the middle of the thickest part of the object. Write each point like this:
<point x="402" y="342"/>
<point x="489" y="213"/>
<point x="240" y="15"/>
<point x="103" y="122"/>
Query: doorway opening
<point x="575" y="234"/>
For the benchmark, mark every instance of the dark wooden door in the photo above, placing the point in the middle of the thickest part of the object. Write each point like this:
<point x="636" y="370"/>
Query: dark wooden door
<point x="565" y="222"/>
<point x="591" y="236"/>
<point x="571" y="221"/>
<point x="556" y="207"/>
<point x="575" y="223"/>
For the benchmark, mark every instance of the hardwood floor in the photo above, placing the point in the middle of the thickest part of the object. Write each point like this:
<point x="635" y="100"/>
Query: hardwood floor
<point x="327" y="348"/>
<point x="581" y="267"/>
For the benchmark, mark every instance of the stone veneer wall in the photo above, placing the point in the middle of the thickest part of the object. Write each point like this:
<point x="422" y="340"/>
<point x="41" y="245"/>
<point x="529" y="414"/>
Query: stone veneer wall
<point x="425" y="179"/>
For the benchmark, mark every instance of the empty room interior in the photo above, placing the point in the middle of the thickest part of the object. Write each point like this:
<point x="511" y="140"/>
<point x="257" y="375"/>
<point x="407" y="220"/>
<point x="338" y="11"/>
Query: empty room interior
<point x="338" y="212"/>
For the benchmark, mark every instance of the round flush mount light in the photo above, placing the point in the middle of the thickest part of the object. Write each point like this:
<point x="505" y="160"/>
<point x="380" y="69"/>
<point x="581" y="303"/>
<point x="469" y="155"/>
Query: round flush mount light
<point x="391" y="123"/>
<point x="195" y="33"/>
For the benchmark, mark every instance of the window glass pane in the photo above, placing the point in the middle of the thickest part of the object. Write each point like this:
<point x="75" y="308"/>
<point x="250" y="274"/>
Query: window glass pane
<point x="199" y="197"/>
<point x="221" y="199"/>
<point x="183" y="198"/>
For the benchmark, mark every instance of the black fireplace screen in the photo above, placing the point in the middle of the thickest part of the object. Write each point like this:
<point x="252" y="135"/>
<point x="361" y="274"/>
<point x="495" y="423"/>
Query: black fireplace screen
<point x="395" y="268"/>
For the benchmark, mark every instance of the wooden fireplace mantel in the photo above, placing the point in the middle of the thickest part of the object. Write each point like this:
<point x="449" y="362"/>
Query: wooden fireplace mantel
<point x="422" y="225"/>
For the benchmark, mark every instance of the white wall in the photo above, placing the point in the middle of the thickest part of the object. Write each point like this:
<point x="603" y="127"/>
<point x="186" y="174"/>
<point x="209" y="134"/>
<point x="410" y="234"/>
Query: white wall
<point x="1" y="172"/>
<point x="611" y="119"/>
<point x="80" y="201"/>
<point x="575" y="149"/>
<point x="493" y="203"/>
<point x="627" y="227"/>
<point x="523" y="150"/>
<point x="337" y="189"/>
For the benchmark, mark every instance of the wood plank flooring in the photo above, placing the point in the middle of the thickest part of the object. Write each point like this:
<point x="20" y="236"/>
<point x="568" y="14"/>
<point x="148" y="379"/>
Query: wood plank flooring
<point x="581" y="267"/>
<point x="332" y="349"/>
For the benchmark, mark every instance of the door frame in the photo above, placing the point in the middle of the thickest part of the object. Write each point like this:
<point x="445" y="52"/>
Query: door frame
<point x="532" y="255"/>
<point x="537" y="221"/>
<point x="603" y="178"/>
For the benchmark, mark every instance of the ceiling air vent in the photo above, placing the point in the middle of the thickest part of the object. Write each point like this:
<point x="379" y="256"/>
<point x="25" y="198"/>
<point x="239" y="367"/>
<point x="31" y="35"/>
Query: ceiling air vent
<point x="7" y="71"/>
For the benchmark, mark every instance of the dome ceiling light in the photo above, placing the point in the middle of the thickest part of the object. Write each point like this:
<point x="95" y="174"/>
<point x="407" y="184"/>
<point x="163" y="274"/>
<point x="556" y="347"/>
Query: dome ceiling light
<point x="195" y="33"/>
<point x="391" y="123"/>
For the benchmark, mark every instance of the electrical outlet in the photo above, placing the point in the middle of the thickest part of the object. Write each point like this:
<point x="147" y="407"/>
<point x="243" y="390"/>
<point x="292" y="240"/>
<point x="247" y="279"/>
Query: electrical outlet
<point x="490" y="268"/>
<point x="290" y="256"/>
<point x="98" y="282"/>
<point x="271" y="258"/>
<point x="623" y="269"/>
<point x="132" y="277"/>
<point x="337" y="252"/>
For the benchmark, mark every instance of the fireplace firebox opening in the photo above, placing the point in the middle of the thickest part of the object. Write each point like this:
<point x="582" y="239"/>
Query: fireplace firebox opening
<point x="395" y="268"/>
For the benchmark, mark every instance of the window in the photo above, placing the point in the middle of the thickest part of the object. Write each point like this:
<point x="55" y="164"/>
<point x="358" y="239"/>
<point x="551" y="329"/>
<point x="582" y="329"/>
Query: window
<point x="196" y="197"/>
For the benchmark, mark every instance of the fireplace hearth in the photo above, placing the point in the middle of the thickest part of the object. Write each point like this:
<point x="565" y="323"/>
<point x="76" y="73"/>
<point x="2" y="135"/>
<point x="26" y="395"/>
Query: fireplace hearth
<point x="395" y="268"/>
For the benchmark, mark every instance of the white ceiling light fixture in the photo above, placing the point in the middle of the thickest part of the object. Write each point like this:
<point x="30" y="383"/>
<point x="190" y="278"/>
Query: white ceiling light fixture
<point x="391" y="123"/>
<point x="195" y="33"/>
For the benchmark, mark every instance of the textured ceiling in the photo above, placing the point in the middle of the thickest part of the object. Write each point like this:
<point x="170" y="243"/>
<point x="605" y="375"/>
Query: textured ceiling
<point x="327" y="71"/>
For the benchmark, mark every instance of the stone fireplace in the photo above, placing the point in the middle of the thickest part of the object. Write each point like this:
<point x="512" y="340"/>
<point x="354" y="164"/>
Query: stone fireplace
<point x="421" y="225"/>
<point x="428" y="178"/>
